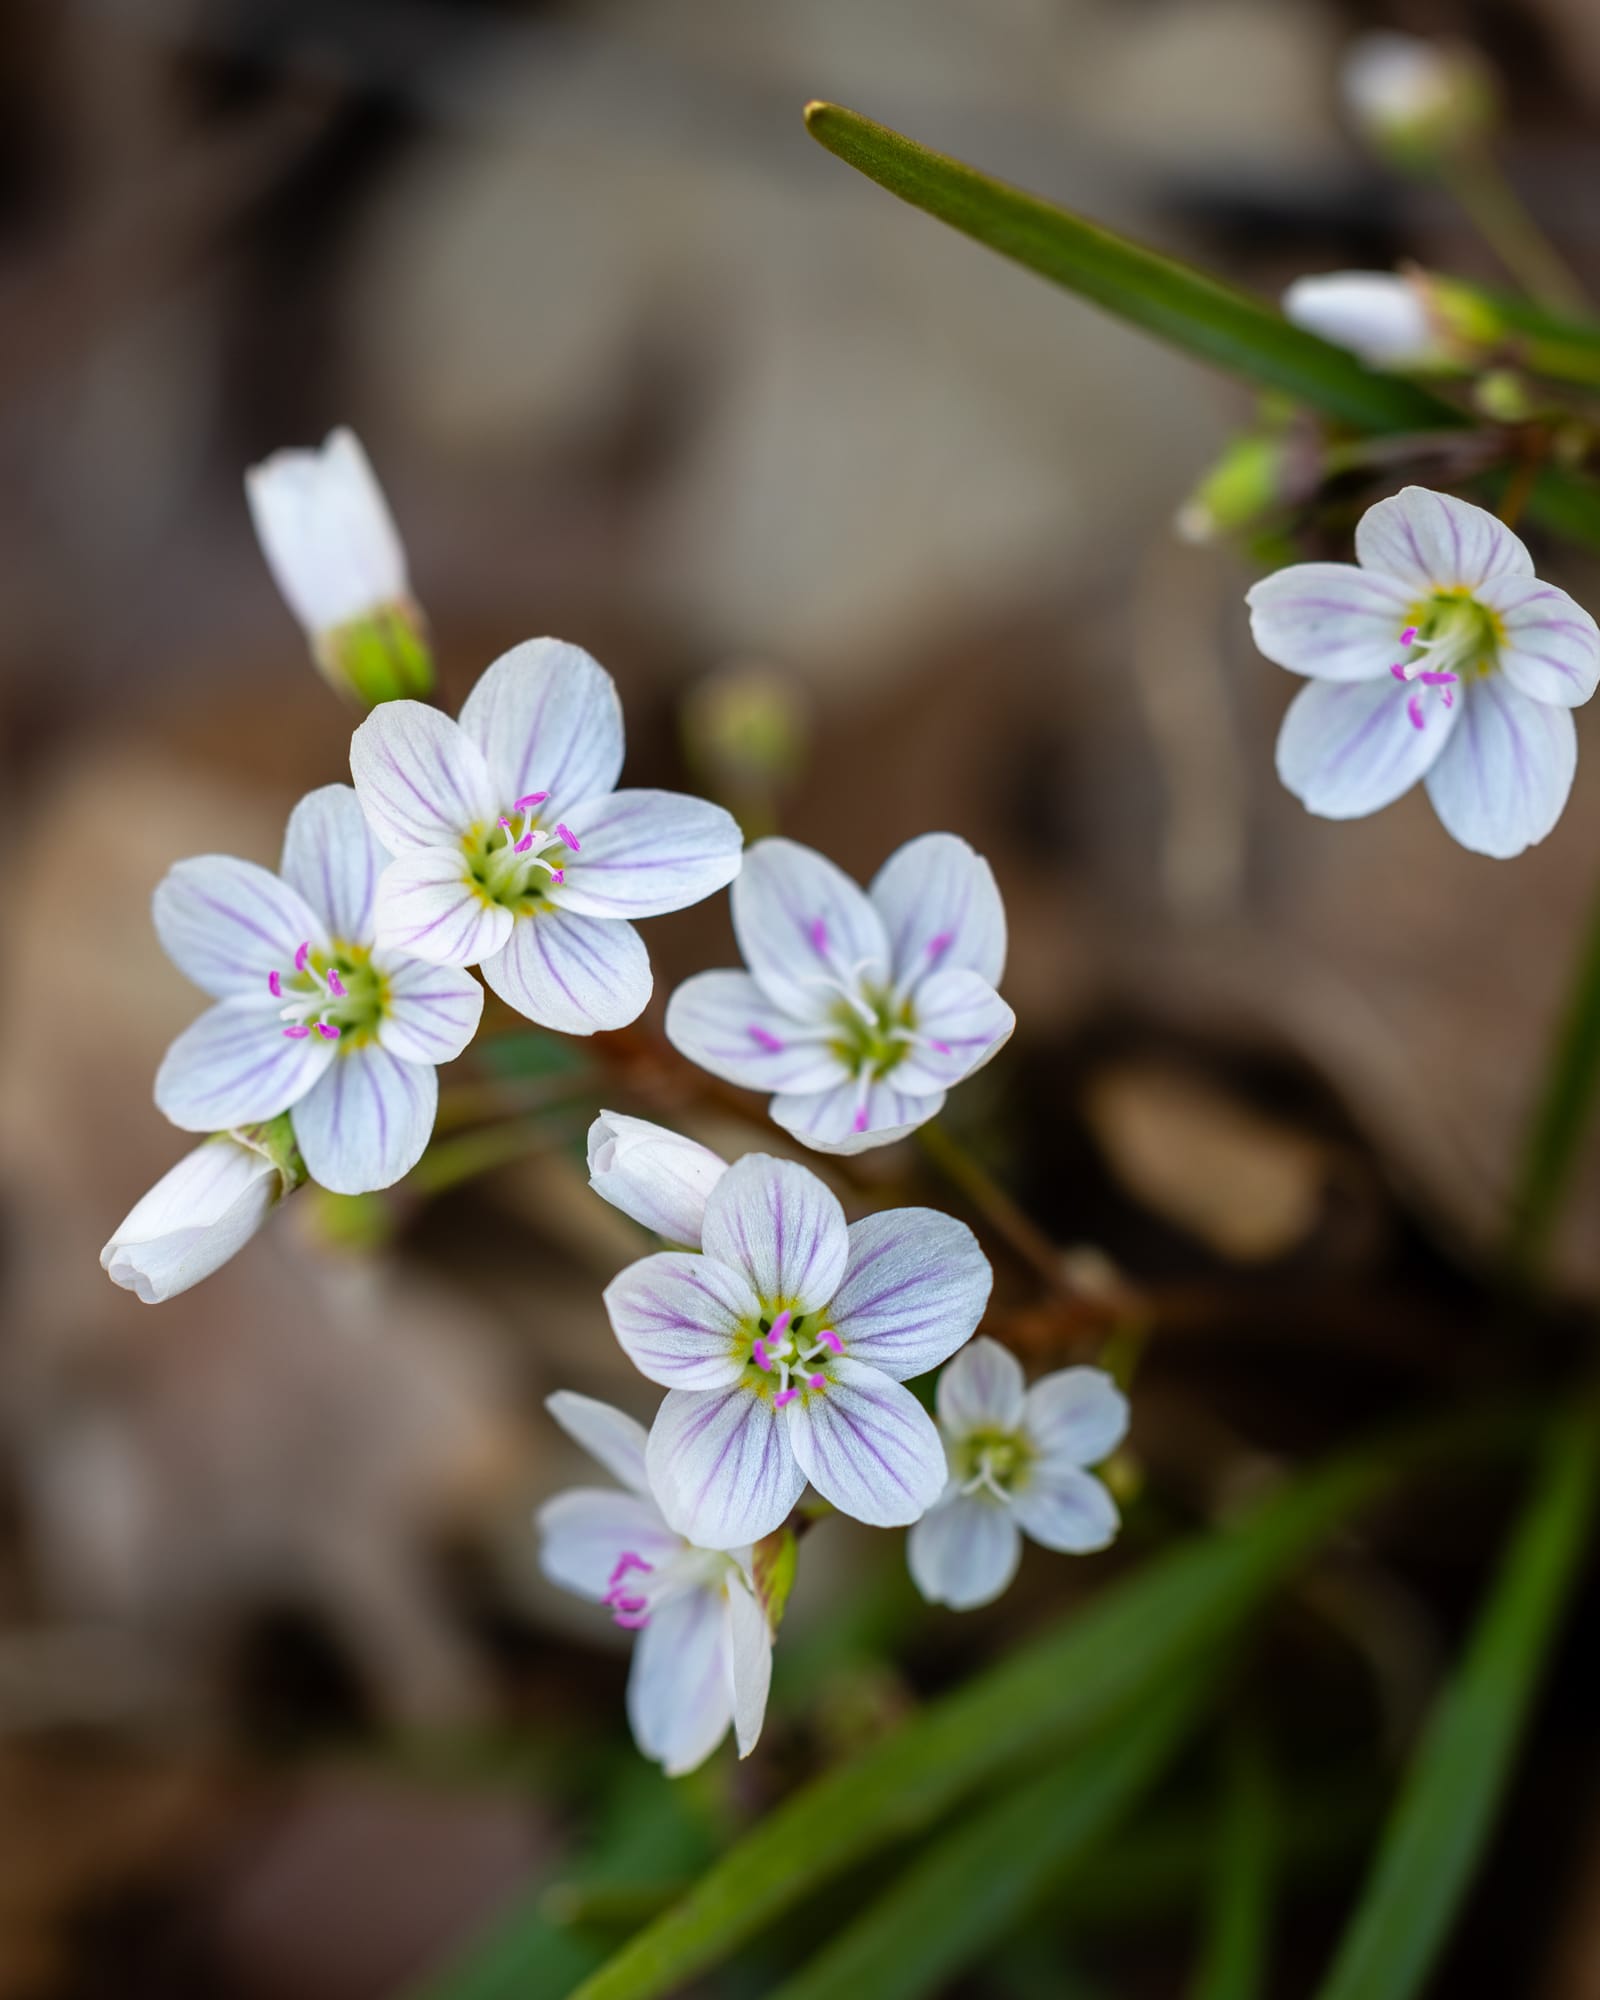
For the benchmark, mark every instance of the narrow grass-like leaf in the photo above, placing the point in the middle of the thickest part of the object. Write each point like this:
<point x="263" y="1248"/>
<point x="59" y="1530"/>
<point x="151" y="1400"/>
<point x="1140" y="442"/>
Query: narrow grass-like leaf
<point x="1437" y="1834"/>
<point x="1562" y="1115"/>
<point x="1233" y="1962"/>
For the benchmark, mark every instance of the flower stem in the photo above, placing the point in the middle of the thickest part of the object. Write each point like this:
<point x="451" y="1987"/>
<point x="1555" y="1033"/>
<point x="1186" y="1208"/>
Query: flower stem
<point x="966" y="1172"/>
<point x="1497" y="212"/>
<point x="467" y="1154"/>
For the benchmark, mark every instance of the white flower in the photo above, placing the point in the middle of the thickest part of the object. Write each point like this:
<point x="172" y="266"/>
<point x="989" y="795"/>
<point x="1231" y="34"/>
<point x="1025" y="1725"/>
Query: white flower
<point x="704" y="1653"/>
<point x="311" y="1018"/>
<point x="859" y="1011"/>
<point x="1402" y="91"/>
<point x="199" y="1214"/>
<point x="1017" y="1466"/>
<point x="1379" y="315"/>
<point x="1438" y="655"/>
<point x="514" y="851"/>
<point x="658" y="1177"/>
<point x="784" y="1347"/>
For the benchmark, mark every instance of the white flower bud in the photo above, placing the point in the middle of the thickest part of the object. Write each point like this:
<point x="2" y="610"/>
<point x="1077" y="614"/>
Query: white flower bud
<point x="658" y="1177"/>
<point x="1415" y="98"/>
<point x="1380" y="316"/>
<point x="201" y="1213"/>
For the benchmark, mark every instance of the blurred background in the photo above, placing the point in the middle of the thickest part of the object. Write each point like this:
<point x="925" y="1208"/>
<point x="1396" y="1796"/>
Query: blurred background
<point x="284" y="1707"/>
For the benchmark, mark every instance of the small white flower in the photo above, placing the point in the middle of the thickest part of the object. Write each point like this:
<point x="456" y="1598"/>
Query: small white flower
<point x="1379" y="315"/>
<point x="784" y="1346"/>
<point x="312" y="1017"/>
<point x="658" y="1177"/>
<point x="703" y="1658"/>
<point x="515" y="852"/>
<point x="199" y="1214"/>
<point x="1018" y="1460"/>
<point x="1438" y="655"/>
<point x="858" y="1010"/>
<point x="1404" y="92"/>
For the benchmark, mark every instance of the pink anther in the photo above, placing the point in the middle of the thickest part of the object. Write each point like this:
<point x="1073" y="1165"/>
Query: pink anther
<point x="818" y="1381"/>
<point x="765" y="1039"/>
<point x="938" y="946"/>
<point x="1408" y="636"/>
<point x="626" y="1561"/>
<point x="275" y="985"/>
<point x="567" y="837"/>
<point x="819" y="934"/>
<point x="529" y="802"/>
<point x="298" y="1032"/>
<point x="302" y="956"/>
<point x="830" y="1340"/>
<point x="336" y="985"/>
<point x="861" y="1119"/>
<point x="1414" y="710"/>
<point x="780" y="1326"/>
<point x="784" y="1396"/>
<point x="558" y="875"/>
<point x="328" y="1031"/>
<point x="760" y="1354"/>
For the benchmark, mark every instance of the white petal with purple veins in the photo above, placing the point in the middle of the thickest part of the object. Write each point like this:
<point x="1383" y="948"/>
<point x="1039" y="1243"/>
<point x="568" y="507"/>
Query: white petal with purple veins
<point x="680" y="1697"/>
<point x="421" y="780"/>
<point x="783" y="1228"/>
<point x="964" y="1552"/>
<point x="660" y="1178"/>
<point x="1348" y="747"/>
<point x="642" y="854"/>
<point x="941" y="909"/>
<point x="1064" y="1509"/>
<point x="610" y="1436"/>
<point x="1432" y="541"/>
<point x="1503" y="781"/>
<point x="1551" y="648"/>
<point x="366" y="1124"/>
<point x="583" y="1532"/>
<point x="847" y="1119"/>
<point x="1331" y="621"/>
<point x="677" y="1318"/>
<point x="326" y="531"/>
<point x="1076" y="1416"/>
<point x="199" y="1214"/>
<point x="429" y="907"/>
<point x="235" y="1066"/>
<point x="960" y="1023"/>
<point x="803" y="927"/>
<point x="914" y="1288"/>
<point x="432" y="1011"/>
<point x="547" y="718"/>
<point x="580" y="975"/>
<point x="869" y="1446"/>
<point x="331" y="858"/>
<point x="721" y="1466"/>
<point x="982" y="1390"/>
<point x="228" y="925"/>
<point x="725" y="1023"/>
<point x="750" y="1663"/>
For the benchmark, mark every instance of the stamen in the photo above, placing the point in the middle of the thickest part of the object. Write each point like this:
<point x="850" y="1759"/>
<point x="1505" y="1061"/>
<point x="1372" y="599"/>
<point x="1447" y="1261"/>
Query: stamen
<point x="760" y="1354"/>
<point x="568" y="837"/>
<point x="829" y="1339"/>
<point x="275" y="985"/>
<point x="628" y="1559"/>
<point x="298" y="1032"/>
<point x="780" y="1326"/>
<point x="558" y="874"/>
<point x="302" y="956"/>
<point x="523" y="844"/>
<point x="1414" y="710"/>
<point x="817" y="1381"/>
<point x="336" y="985"/>
<point x="631" y="1621"/>
<point x="1434" y="679"/>
<point x="784" y="1396"/>
<point x="529" y="802"/>
<point x="765" y="1039"/>
<point x="1408" y="636"/>
<point x="328" y="1031"/>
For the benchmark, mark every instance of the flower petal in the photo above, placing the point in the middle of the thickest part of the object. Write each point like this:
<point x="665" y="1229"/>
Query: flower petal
<point x="725" y="1023"/>
<point x="914" y="1288"/>
<point x="610" y="1436"/>
<point x="658" y="1177"/>
<point x="803" y="925"/>
<point x="429" y="907"/>
<point x="783" y="1228"/>
<point x="750" y="1663"/>
<point x="332" y="859"/>
<point x="1330" y="620"/>
<point x="982" y="1390"/>
<point x="847" y="1120"/>
<point x="1504" y="780"/>
<point x="869" y="1446"/>
<point x="645" y="853"/>
<point x="1076" y="1416"/>
<point x="1551" y="648"/>
<point x="547" y="718"/>
<point x="228" y="924"/>
<point x="326" y="531"/>
<point x="964" y="1553"/>
<point x="1065" y="1509"/>
<point x="580" y="975"/>
<point x="235" y="1066"/>
<point x="941" y="909"/>
<point x="432" y="1010"/>
<point x="962" y="1022"/>
<point x="199" y="1214"/>
<point x="680" y="1697"/>
<point x="677" y="1318"/>
<point x="368" y="1122"/>
<point x="1432" y="541"/>
<point x="1347" y="748"/>
<point x="584" y="1531"/>
<point x="721" y="1466"/>
<point x="421" y="779"/>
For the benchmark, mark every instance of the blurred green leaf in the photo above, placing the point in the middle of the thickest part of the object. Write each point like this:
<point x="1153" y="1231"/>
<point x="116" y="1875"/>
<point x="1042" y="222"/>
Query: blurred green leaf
<point x="1233" y="1962"/>
<point x="532" y="1055"/>
<point x="1562" y="1113"/>
<point x="1437" y="1833"/>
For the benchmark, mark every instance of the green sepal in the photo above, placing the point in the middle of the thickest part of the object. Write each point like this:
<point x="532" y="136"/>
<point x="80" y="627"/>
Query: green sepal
<point x="1246" y="484"/>
<point x="382" y="657"/>
<point x="776" y="1557"/>
<point x="274" y="1140"/>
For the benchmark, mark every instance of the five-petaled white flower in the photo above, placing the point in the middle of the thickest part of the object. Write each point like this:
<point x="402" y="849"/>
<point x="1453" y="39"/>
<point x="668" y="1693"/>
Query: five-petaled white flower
<point x="1439" y="655"/>
<point x="312" y="1017"/>
<point x="658" y="1177"/>
<point x="1381" y="315"/>
<point x="784" y="1346"/>
<point x="1017" y="1466"/>
<point x="199" y="1214"/>
<point x="858" y="1010"/>
<point x="513" y="850"/>
<point x="704" y="1653"/>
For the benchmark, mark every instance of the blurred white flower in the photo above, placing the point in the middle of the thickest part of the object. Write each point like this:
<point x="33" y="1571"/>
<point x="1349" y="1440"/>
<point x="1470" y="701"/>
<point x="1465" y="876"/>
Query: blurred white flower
<point x="1412" y="96"/>
<point x="1379" y="315"/>
<point x="201" y="1212"/>
<point x="658" y="1177"/>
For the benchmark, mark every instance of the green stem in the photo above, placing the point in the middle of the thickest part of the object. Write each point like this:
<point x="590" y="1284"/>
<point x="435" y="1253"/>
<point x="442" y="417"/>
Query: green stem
<point x="463" y="1158"/>
<point x="1497" y="213"/>
<point x="967" y="1173"/>
<point x="1233" y="1958"/>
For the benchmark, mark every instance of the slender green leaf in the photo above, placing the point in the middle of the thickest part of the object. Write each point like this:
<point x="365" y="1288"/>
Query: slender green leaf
<point x="1446" y="1812"/>
<point x="1164" y="297"/>
<point x="1233" y="1964"/>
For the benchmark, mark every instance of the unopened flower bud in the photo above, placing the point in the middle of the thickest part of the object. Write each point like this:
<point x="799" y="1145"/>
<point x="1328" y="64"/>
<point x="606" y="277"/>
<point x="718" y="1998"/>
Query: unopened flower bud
<point x="747" y="729"/>
<point x="1247" y="482"/>
<point x="658" y="1177"/>
<point x="1384" y="317"/>
<point x="1416" y="100"/>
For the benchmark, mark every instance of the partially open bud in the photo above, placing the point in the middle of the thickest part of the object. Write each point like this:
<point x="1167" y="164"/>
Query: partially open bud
<point x="1247" y="482"/>
<point x="1384" y="317"/>
<point x="335" y="553"/>
<point x="747" y="732"/>
<point x="1414" y="100"/>
<point x="658" y="1177"/>
<point x="204" y="1211"/>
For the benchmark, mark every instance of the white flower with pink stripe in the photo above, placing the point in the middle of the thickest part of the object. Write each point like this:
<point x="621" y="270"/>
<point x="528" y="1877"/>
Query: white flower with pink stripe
<point x="703" y="1657"/>
<point x="311" y="1016"/>
<point x="512" y="848"/>
<point x="859" y="1011"/>
<point x="784" y="1346"/>
<point x="1437" y="655"/>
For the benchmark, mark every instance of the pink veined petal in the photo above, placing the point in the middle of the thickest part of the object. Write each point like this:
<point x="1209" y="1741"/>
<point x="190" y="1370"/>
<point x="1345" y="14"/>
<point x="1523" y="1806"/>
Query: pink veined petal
<point x="580" y="975"/>
<point x="982" y="1390"/>
<point x="914" y="1288"/>
<point x="1347" y="748"/>
<point x="964" y="1552"/>
<point x="1330" y="621"/>
<point x="432" y="1011"/>
<point x="428" y="907"/>
<point x="645" y="853"/>
<point x="869" y="1446"/>
<point x="961" y="1023"/>
<point x="1433" y="541"/>
<point x="677" y="1318"/>
<point x="781" y="1227"/>
<point x="1551" y="648"/>
<point x="721" y="1466"/>
<point x="366" y="1123"/>
<point x="198" y="1215"/>
<point x="1502" y="783"/>
<point x="657" y="1177"/>
<point x="1077" y="1416"/>
<point x="845" y="1121"/>
<point x="610" y="1436"/>
<point x="421" y="780"/>
<point x="583" y="1532"/>
<point x="749" y="1641"/>
<point x="547" y="718"/>
<point x="941" y="909"/>
<point x="235" y="1066"/>
<point x="228" y="924"/>
<point x="680" y="1697"/>
<point x="725" y="1023"/>
<point x="1064" y="1509"/>
<point x="803" y="927"/>
<point x="331" y="858"/>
